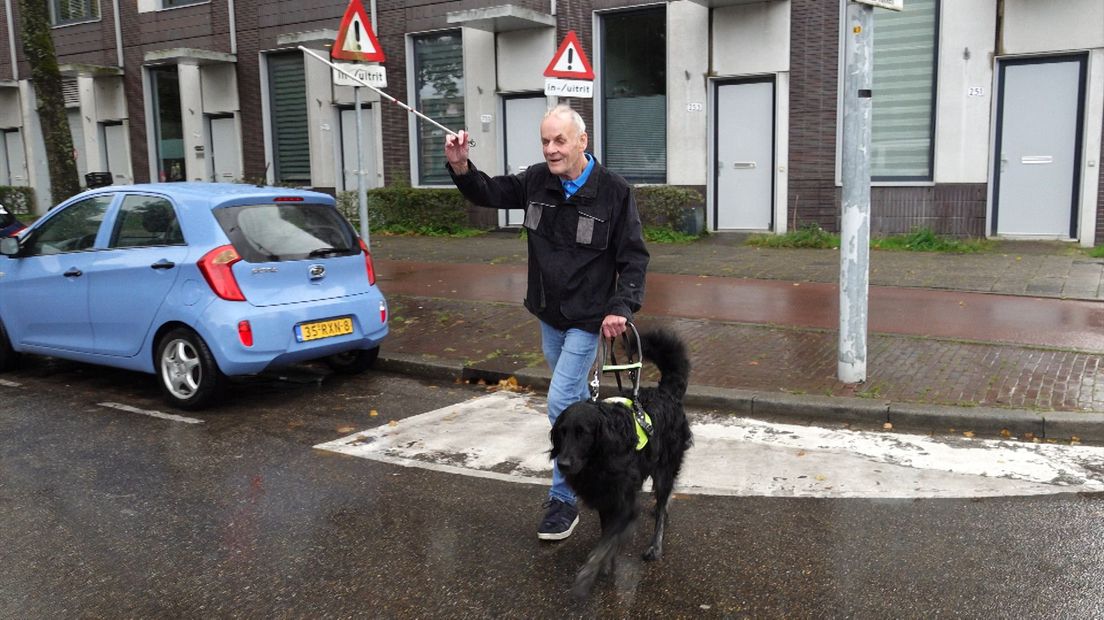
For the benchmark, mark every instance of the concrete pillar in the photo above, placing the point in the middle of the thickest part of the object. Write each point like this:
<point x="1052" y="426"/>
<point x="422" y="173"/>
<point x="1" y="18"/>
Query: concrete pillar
<point x="481" y="106"/>
<point x="92" y="149"/>
<point x="191" y="112"/>
<point x="687" y="116"/>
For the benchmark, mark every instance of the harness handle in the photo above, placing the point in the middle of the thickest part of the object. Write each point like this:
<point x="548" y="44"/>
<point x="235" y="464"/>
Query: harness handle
<point x="633" y="365"/>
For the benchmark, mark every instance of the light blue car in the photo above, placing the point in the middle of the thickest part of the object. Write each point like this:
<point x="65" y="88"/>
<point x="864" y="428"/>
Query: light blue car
<point x="193" y="282"/>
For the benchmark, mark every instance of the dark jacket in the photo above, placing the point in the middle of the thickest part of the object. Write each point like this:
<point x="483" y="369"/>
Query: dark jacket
<point x="586" y="253"/>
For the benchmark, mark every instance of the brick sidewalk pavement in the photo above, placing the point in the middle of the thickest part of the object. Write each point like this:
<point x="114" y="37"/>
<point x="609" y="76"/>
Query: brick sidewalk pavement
<point x="502" y="338"/>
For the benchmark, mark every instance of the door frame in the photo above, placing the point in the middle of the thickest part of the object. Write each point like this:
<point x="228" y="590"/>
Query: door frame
<point x="714" y="110"/>
<point x="998" y="133"/>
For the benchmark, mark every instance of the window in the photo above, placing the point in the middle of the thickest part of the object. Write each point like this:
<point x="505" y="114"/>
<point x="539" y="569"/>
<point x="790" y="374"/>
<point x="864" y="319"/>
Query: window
<point x="634" y="94"/>
<point x="146" y="221"/>
<point x="287" y="231"/>
<point x="72" y="230"/>
<point x="903" y="122"/>
<point x="72" y="11"/>
<point x="287" y="86"/>
<point x="168" y="123"/>
<point x="439" y="94"/>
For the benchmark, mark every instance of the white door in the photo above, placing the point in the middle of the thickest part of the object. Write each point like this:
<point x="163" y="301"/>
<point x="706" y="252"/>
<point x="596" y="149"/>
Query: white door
<point x="744" y="155"/>
<point x="117" y="153"/>
<point x="349" y="148"/>
<point x="17" y="161"/>
<point x="225" y="152"/>
<point x="1039" y="115"/>
<point x="521" y="119"/>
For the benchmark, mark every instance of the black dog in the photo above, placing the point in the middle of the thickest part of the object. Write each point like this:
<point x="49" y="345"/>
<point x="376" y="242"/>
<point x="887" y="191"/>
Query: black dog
<point x="595" y="446"/>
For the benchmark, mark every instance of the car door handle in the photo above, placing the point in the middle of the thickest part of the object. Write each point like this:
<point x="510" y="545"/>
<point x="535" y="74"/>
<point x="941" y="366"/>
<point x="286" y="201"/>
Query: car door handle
<point x="73" y="273"/>
<point x="163" y="264"/>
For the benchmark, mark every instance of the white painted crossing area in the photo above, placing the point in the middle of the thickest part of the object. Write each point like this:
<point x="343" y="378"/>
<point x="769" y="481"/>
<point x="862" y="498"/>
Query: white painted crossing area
<point x="152" y="413"/>
<point x="504" y="436"/>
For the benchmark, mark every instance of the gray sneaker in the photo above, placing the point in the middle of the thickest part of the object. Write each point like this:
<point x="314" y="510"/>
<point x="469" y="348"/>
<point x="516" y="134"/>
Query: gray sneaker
<point x="559" y="521"/>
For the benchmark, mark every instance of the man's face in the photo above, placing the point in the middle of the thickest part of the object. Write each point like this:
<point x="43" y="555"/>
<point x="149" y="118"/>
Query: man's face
<point x="563" y="146"/>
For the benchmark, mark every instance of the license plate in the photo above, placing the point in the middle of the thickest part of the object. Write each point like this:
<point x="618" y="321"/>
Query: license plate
<point x="323" y="329"/>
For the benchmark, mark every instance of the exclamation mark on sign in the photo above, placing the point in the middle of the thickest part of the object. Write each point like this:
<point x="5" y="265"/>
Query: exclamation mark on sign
<point x="570" y="57"/>
<point x="356" y="34"/>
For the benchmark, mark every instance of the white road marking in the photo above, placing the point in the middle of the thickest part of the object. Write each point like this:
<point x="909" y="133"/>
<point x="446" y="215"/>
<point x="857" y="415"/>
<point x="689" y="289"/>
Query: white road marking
<point x="153" y="414"/>
<point x="504" y="436"/>
<point x="6" y="383"/>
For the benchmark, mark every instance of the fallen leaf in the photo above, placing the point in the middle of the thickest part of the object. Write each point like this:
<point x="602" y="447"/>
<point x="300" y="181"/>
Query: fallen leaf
<point x="1005" y="433"/>
<point x="373" y="413"/>
<point x="888" y="426"/>
<point x="801" y="453"/>
<point x="346" y="429"/>
<point x="753" y="363"/>
<point x="968" y="434"/>
<point x="1029" y="437"/>
<point x="797" y="284"/>
<point x="393" y="423"/>
<point x="296" y="424"/>
<point x="821" y="477"/>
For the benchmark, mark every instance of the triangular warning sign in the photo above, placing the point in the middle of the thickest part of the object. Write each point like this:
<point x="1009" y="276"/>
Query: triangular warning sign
<point x="570" y="61"/>
<point x="355" y="39"/>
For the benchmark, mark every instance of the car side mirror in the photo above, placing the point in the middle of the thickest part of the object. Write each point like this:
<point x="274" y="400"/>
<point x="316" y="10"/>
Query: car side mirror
<point x="9" y="246"/>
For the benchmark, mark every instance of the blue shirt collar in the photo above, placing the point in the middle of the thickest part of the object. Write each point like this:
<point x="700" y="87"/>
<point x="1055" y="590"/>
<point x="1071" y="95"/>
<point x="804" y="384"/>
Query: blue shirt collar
<point x="572" y="186"/>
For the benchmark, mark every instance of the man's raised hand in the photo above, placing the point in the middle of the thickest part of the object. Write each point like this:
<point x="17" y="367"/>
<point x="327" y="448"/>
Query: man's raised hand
<point x="456" y="151"/>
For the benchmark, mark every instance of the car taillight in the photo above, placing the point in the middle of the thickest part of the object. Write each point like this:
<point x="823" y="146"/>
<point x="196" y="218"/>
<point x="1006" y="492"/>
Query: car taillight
<point x="368" y="262"/>
<point x="216" y="269"/>
<point x="383" y="312"/>
<point x="245" y="333"/>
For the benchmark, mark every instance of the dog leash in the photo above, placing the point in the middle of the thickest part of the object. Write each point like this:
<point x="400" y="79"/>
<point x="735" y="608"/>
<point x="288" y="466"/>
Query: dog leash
<point x="633" y="366"/>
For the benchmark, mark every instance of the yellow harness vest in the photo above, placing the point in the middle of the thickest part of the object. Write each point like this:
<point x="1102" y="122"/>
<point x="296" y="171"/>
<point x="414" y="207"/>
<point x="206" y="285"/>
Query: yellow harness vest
<point x="641" y="436"/>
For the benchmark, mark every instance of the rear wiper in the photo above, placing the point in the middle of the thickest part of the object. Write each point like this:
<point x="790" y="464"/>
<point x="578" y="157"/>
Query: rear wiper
<point x="327" y="251"/>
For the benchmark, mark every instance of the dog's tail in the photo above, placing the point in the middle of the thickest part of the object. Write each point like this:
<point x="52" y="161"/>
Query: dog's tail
<point x="668" y="352"/>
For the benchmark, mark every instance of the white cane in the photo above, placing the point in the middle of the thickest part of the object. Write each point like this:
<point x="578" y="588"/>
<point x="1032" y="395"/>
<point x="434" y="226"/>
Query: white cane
<point x="383" y="94"/>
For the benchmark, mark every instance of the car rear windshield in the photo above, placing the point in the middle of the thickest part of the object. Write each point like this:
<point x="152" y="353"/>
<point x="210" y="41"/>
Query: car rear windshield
<point x="287" y="231"/>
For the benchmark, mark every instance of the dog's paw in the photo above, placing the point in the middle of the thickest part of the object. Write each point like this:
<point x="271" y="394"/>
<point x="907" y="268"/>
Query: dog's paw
<point x="653" y="553"/>
<point x="585" y="578"/>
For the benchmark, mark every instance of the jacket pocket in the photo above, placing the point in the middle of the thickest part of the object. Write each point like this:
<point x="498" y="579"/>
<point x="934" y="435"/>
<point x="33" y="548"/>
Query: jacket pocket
<point x="534" y="211"/>
<point x="592" y="228"/>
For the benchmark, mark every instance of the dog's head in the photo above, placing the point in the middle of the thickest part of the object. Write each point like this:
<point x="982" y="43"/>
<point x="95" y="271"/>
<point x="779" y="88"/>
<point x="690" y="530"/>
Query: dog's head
<point x="581" y="432"/>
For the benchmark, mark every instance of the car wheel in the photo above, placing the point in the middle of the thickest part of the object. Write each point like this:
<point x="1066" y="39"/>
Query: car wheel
<point x="8" y="357"/>
<point x="190" y="378"/>
<point x="353" y="362"/>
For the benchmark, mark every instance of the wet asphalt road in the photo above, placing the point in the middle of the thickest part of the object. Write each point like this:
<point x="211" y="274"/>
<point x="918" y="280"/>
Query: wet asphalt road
<point x="107" y="514"/>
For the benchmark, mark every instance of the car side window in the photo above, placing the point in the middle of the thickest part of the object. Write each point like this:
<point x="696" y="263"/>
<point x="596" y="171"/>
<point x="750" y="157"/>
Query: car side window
<point x="72" y="230"/>
<point x="146" y="221"/>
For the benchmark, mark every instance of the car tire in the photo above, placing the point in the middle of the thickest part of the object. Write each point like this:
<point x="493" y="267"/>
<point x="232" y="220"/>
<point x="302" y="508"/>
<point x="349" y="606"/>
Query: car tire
<point x="353" y="362"/>
<point x="9" y="359"/>
<point x="188" y="375"/>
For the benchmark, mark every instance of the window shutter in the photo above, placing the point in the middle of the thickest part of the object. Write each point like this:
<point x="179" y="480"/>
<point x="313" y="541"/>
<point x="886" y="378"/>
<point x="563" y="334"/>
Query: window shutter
<point x="904" y="91"/>
<point x="291" y="146"/>
<point x="636" y="138"/>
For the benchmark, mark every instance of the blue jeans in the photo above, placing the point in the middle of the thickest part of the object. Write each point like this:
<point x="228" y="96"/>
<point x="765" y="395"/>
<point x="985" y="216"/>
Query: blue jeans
<point x="569" y="354"/>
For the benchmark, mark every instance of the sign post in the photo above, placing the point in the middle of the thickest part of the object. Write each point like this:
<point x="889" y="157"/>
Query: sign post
<point x="854" y="280"/>
<point x="569" y="74"/>
<point x="356" y="41"/>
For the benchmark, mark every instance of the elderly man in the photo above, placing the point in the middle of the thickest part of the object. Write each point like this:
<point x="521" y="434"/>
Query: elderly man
<point x="586" y="263"/>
